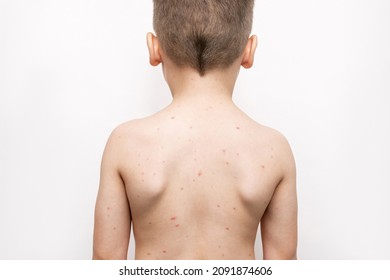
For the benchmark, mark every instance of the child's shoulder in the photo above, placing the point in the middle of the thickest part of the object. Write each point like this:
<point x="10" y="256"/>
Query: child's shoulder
<point x="130" y="130"/>
<point x="277" y="143"/>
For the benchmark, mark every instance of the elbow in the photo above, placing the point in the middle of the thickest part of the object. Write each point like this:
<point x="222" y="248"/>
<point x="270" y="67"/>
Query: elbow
<point x="100" y="255"/>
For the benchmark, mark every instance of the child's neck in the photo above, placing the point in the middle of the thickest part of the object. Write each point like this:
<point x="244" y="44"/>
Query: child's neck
<point x="215" y="87"/>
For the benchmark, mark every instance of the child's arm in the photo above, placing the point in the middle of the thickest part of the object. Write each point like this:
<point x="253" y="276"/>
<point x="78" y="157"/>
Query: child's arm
<point x="112" y="212"/>
<point x="279" y="222"/>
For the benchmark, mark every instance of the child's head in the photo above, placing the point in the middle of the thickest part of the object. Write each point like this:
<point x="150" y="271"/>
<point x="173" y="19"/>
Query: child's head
<point x="203" y="34"/>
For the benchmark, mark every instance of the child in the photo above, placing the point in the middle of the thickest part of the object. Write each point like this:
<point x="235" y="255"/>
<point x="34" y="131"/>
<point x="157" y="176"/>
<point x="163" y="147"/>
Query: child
<point x="197" y="178"/>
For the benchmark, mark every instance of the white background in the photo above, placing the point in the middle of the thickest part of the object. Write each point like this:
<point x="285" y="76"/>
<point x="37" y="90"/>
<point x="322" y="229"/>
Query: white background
<point x="70" y="71"/>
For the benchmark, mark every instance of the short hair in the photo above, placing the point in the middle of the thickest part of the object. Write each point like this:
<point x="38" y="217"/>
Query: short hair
<point x="203" y="34"/>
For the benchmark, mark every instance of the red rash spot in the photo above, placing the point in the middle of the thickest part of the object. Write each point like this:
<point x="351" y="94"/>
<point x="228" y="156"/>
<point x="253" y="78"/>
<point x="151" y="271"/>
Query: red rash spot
<point x="173" y="218"/>
<point x="224" y="151"/>
<point x="237" y="127"/>
<point x="262" y="167"/>
<point x="177" y="225"/>
<point x="200" y="173"/>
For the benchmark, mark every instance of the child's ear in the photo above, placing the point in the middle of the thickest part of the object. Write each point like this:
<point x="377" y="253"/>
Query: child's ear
<point x="249" y="52"/>
<point x="154" y="49"/>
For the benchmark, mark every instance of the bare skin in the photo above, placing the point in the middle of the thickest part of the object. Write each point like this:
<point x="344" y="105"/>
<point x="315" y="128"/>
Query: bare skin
<point x="197" y="178"/>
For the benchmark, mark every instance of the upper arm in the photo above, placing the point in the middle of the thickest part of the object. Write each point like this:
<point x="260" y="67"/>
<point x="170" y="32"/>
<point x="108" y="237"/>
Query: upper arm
<point x="279" y="222"/>
<point x="112" y="211"/>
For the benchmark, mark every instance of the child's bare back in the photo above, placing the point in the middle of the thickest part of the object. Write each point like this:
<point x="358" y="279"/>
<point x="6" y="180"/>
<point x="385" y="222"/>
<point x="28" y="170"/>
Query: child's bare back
<point x="196" y="179"/>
